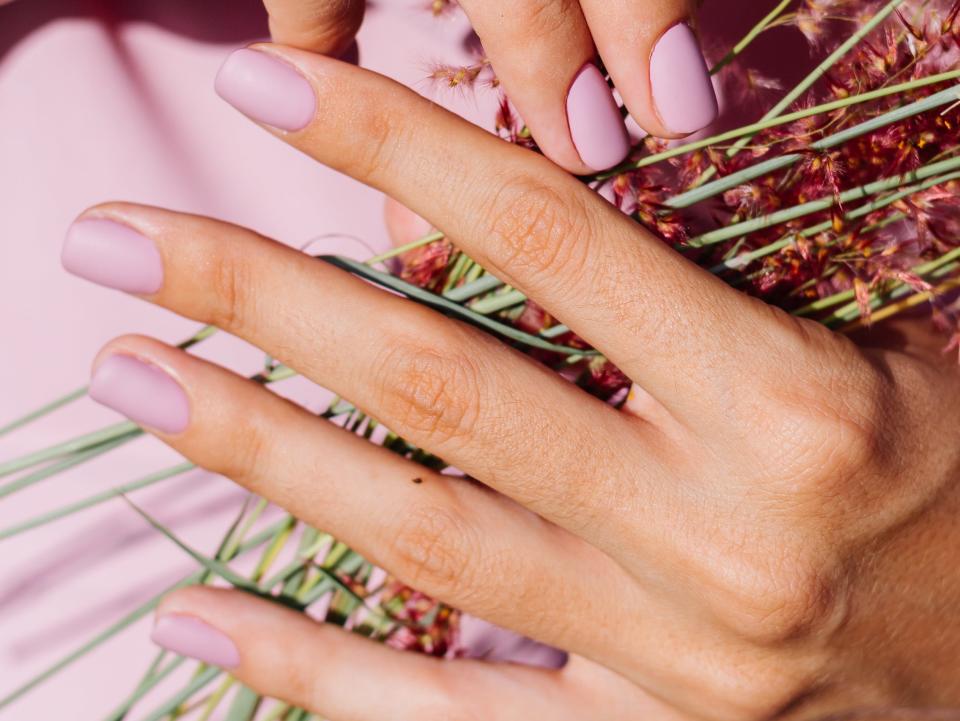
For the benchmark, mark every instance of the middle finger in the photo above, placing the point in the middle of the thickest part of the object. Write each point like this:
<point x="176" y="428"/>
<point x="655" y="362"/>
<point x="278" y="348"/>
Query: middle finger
<point x="667" y="323"/>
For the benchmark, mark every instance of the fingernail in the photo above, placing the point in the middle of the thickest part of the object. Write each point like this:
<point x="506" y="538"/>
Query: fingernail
<point x="191" y="637"/>
<point x="142" y="392"/>
<point x="267" y="90"/>
<point x="682" y="90"/>
<point x="596" y="125"/>
<point x="112" y="254"/>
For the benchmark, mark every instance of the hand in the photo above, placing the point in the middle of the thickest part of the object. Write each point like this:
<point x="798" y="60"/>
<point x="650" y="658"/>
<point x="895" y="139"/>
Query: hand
<point x="544" y="53"/>
<point x="768" y="531"/>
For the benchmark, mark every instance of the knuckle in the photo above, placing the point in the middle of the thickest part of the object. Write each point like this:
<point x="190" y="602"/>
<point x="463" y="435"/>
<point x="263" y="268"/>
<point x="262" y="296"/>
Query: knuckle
<point x="232" y="294"/>
<point x="441" y="698"/>
<point x="830" y="423"/>
<point x="428" y="392"/>
<point x="829" y="438"/>
<point x="243" y="457"/>
<point x="755" y="692"/>
<point x="433" y="550"/>
<point x="539" y="231"/>
<point x="381" y="135"/>
<point x="543" y="18"/>
<point x="790" y="596"/>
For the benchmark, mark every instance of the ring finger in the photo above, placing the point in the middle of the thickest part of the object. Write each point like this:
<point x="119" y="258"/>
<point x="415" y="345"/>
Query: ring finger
<point x="448" y="537"/>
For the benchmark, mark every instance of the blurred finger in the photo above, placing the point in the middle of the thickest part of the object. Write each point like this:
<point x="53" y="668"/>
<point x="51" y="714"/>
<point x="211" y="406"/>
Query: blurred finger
<point x="544" y="56"/>
<point x="320" y="26"/>
<point x="344" y="677"/>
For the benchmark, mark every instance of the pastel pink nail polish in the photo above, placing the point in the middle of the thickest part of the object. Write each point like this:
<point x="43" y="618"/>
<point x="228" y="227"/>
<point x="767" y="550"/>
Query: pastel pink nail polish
<point x="191" y="637"/>
<point x="142" y="392"/>
<point x="682" y="90"/>
<point x="112" y="254"/>
<point x="266" y="89"/>
<point x="596" y="126"/>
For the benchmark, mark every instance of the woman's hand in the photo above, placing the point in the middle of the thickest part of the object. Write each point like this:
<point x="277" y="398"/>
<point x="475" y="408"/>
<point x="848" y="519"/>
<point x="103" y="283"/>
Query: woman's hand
<point x="768" y="531"/>
<point x="545" y="52"/>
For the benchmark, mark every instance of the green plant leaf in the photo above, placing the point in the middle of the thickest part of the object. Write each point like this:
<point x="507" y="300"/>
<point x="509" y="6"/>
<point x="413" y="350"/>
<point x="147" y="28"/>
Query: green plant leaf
<point x="201" y="680"/>
<point x="245" y="705"/>
<point x="94" y="500"/>
<point x="150" y="681"/>
<point x="447" y="307"/>
<point x="88" y="441"/>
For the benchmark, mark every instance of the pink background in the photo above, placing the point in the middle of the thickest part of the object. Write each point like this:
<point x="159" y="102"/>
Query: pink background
<point x="105" y="99"/>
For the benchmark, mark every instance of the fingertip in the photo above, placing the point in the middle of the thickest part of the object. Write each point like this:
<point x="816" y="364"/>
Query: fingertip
<point x="141" y="387"/>
<point x="187" y="622"/>
<point x="112" y="254"/>
<point x="681" y="88"/>
<point x="596" y="125"/>
<point x="267" y="88"/>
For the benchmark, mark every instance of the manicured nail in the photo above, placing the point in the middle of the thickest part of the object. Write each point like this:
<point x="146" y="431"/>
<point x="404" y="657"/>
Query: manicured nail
<point x="112" y="254"/>
<point x="266" y="89"/>
<point x="142" y="392"/>
<point x="682" y="90"/>
<point x="191" y="637"/>
<point x="596" y="126"/>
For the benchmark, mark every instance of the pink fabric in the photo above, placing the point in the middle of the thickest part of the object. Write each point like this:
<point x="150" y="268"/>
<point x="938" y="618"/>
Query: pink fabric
<point x="113" y="99"/>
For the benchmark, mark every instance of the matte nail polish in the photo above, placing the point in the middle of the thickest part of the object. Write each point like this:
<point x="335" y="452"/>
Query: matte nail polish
<point x="266" y="89"/>
<point x="596" y="125"/>
<point x="682" y="91"/>
<point x="191" y="637"/>
<point x="112" y="254"/>
<point x="142" y="392"/>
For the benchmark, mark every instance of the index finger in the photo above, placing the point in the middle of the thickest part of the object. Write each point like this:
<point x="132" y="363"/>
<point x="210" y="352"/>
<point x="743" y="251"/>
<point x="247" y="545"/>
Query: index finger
<point x="651" y="311"/>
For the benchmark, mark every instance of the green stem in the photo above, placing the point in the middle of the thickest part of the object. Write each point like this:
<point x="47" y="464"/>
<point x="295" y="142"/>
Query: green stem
<point x="400" y="250"/>
<point x="751" y="36"/>
<point x="896" y="291"/>
<point x="115" y="628"/>
<point x="235" y="538"/>
<point x="501" y="301"/>
<point x="94" y="500"/>
<point x="439" y="303"/>
<point x="754" y="224"/>
<point x="781" y="120"/>
<point x="60" y="466"/>
<point x="743" y="260"/>
<point x="125" y="622"/>
<point x="465" y="292"/>
<point x="215" y="698"/>
<point x="151" y="681"/>
<point x="200" y="681"/>
<point x="808" y="82"/>
<point x="44" y="411"/>
<point x="698" y="194"/>
<point x="923" y="270"/>
<point x="75" y="445"/>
